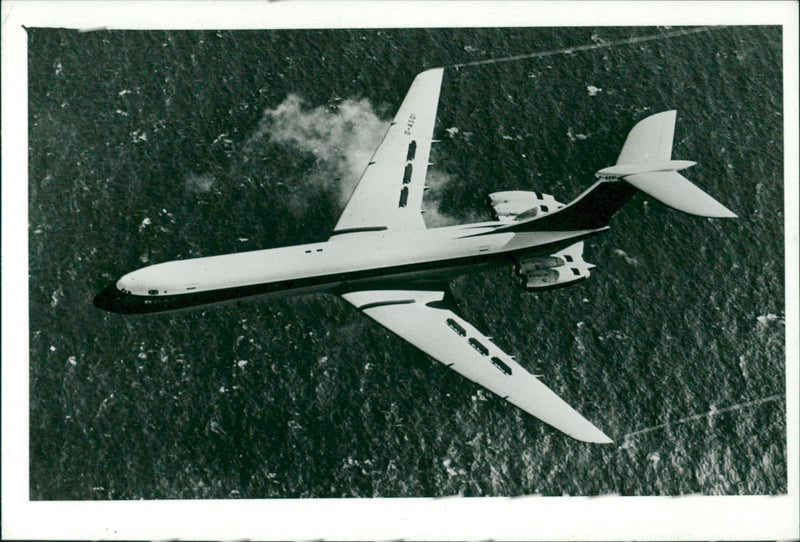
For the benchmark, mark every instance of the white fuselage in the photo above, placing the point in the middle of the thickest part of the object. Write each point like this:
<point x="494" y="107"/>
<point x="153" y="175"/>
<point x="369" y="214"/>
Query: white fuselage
<point x="346" y="260"/>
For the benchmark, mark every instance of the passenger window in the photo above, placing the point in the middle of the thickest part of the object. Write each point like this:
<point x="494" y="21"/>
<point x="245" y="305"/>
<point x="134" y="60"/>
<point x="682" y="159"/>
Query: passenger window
<point x="412" y="151"/>
<point x="152" y="292"/>
<point x="403" y="197"/>
<point x="545" y="209"/>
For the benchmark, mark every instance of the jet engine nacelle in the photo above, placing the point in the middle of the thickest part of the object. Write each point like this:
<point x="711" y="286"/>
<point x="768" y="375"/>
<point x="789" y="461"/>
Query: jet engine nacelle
<point x="555" y="271"/>
<point x="519" y="205"/>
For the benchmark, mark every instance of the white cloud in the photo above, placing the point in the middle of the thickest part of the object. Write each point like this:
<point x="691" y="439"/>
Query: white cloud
<point x="342" y="138"/>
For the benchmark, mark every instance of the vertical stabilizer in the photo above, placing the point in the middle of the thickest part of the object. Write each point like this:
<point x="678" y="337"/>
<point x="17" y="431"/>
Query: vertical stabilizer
<point x="646" y="163"/>
<point x="650" y="140"/>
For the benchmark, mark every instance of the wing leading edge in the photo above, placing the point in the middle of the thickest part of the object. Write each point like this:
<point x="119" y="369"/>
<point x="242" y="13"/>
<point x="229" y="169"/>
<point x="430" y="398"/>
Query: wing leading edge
<point x="389" y="193"/>
<point x="422" y="318"/>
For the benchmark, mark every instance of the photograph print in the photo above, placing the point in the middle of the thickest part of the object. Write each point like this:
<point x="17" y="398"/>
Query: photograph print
<point x="344" y="263"/>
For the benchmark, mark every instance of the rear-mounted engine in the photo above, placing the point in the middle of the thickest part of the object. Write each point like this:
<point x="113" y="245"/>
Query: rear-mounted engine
<point x="555" y="271"/>
<point x="514" y="205"/>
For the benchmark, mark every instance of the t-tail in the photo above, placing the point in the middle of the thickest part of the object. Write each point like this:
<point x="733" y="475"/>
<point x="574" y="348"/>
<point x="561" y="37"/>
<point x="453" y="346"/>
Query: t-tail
<point x="645" y="164"/>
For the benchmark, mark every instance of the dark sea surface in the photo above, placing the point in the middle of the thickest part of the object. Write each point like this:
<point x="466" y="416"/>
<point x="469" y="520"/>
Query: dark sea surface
<point x="149" y="146"/>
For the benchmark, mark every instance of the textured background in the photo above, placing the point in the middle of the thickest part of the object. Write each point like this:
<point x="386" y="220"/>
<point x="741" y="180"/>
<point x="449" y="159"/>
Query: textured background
<point x="152" y="146"/>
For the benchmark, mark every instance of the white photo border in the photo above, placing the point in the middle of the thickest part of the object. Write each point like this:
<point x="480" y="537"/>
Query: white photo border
<point x="528" y="518"/>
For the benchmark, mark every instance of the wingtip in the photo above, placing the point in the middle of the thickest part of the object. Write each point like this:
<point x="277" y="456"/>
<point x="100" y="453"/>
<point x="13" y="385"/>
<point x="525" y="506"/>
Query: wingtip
<point x="598" y="438"/>
<point x="591" y="434"/>
<point x="430" y="72"/>
<point x="722" y="212"/>
<point x="605" y="440"/>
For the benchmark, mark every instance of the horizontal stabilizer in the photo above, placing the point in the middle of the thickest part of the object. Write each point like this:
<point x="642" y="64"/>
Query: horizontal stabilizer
<point x="645" y="167"/>
<point x="677" y="191"/>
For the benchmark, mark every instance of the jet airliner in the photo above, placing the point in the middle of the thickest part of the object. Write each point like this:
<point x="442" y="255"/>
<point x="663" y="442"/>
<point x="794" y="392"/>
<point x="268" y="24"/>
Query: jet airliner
<point x="383" y="260"/>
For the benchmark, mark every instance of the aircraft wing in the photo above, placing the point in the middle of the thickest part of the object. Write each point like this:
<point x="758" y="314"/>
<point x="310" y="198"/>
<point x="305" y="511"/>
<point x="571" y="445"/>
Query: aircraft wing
<point x="423" y="318"/>
<point x="389" y="193"/>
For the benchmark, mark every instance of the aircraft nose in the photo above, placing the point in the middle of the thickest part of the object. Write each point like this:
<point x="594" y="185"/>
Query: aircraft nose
<point x="110" y="299"/>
